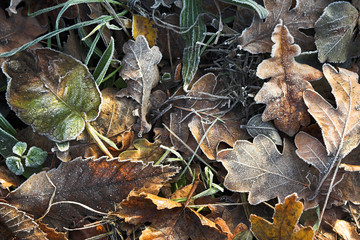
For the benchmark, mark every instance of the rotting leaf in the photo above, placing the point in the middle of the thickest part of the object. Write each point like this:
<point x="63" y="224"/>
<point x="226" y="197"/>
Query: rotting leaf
<point x="51" y="233"/>
<point x="106" y="181"/>
<point x="335" y="33"/>
<point x="349" y="187"/>
<point x="256" y="126"/>
<point x="140" y="70"/>
<point x="256" y="38"/>
<point x="144" y="26"/>
<point x="259" y="168"/>
<point x="18" y="224"/>
<point x="285" y="218"/>
<point x="169" y="219"/>
<point x="52" y="92"/>
<point x="145" y="151"/>
<point x="283" y="94"/>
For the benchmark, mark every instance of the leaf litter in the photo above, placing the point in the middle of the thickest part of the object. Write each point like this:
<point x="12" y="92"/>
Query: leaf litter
<point x="166" y="142"/>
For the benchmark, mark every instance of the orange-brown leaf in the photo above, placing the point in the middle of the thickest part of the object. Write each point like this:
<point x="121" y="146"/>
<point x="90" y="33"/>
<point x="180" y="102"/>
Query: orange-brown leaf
<point x="283" y="94"/>
<point x="145" y="151"/>
<point x="285" y="219"/>
<point x="94" y="183"/>
<point x="169" y="220"/>
<point x="144" y="26"/>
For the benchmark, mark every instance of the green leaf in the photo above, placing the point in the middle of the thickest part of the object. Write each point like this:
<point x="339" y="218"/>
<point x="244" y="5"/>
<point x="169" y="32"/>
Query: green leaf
<point x="19" y="148"/>
<point x="260" y="10"/>
<point x="104" y="63"/>
<point x="35" y="157"/>
<point x="52" y="92"/>
<point x="193" y="27"/>
<point x="7" y="142"/>
<point x="14" y="165"/>
<point x="4" y="124"/>
<point x="334" y="33"/>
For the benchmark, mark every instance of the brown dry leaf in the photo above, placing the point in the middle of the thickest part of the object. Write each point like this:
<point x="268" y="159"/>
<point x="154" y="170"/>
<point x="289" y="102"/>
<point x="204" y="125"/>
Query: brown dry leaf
<point x="17" y="30"/>
<point x="256" y="38"/>
<point x="312" y="151"/>
<point x="51" y="233"/>
<point x="169" y="219"/>
<point x="144" y="26"/>
<point x="346" y="230"/>
<point x="283" y="94"/>
<point x="285" y="218"/>
<point x="340" y="126"/>
<point x="349" y="188"/>
<point x="199" y="110"/>
<point x="8" y="179"/>
<point x="142" y="74"/>
<point x="259" y="168"/>
<point x="94" y="183"/>
<point x="144" y="151"/>
<point x="16" y="224"/>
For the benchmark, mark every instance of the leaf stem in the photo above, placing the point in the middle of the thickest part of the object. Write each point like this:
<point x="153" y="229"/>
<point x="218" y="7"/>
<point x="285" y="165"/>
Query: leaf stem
<point x="95" y="135"/>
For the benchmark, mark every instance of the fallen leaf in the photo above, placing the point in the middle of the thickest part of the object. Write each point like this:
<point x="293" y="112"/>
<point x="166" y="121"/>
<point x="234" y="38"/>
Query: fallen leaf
<point x="144" y="151"/>
<point x="17" y="30"/>
<point x="346" y="230"/>
<point x="340" y="126"/>
<point x="144" y="26"/>
<point x="335" y="32"/>
<point x="285" y="218"/>
<point x="312" y="151"/>
<point x="256" y="38"/>
<point x="206" y="116"/>
<point x="169" y="219"/>
<point x="140" y="70"/>
<point x="349" y="188"/>
<point x="16" y="224"/>
<point x="52" y="92"/>
<point x="51" y="233"/>
<point x="283" y="94"/>
<point x="259" y="168"/>
<point x="8" y="179"/>
<point x="256" y="126"/>
<point x="94" y="183"/>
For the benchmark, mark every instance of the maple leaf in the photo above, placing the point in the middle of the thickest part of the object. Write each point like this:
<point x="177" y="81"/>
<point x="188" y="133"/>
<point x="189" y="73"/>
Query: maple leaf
<point x="286" y="216"/>
<point x="283" y="93"/>
<point x="260" y="169"/>
<point x="198" y="111"/>
<point x="140" y="70"/>
<point x="169" y="219"/>
<point x="256" y="38"/>
<point x="95" y="183"/>
<point x="18" y="224"/>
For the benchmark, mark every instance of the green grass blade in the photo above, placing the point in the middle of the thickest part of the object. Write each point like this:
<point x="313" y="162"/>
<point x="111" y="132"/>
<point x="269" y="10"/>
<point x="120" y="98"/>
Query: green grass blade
<point x="193" y="27"/>
<point x="92" y="48"/>
<point x="104" y="63"/>
<point x="7" y="141"/>
<point x="4" y="124"/>
<point x="260" y="10"/>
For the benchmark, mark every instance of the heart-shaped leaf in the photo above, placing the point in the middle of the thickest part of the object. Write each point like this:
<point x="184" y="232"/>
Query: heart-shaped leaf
<point x="52" y="92"/>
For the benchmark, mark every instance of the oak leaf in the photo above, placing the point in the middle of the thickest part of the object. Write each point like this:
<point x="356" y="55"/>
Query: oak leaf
<point x="18" y="224"/>
<point x="169" y="219"/>
<point x="340" y="127"/>
<point x="142" y="74"/>
<point x="283" y="93"/>
<point x="256" y="38"/>
<point x="259" y="168"/>
<point x="286" y="217"/>
<point x="94" y="183"/>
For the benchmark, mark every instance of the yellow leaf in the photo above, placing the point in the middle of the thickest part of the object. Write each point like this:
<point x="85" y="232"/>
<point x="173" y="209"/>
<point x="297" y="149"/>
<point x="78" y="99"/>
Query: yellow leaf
<point x="285" y="218"/>
<point x="144" y="26"/>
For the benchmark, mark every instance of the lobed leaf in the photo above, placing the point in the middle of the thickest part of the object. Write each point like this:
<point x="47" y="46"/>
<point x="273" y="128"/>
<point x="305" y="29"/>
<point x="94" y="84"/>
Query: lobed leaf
<point x="259" y="168"/>
<point x="52" y="92"/>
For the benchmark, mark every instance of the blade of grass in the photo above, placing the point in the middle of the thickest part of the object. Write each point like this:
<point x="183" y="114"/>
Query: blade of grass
<point x="104" y="63"/>
<point x="92" y="48"/>
<point x="4" y="124"/>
